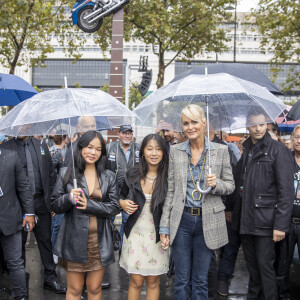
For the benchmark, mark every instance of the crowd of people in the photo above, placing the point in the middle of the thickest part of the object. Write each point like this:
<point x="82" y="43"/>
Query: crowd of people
<point x="185" y="198"/>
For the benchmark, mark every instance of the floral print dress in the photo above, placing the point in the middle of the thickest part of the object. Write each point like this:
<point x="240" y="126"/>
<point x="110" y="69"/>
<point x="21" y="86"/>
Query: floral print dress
<point x="140" y="252"/>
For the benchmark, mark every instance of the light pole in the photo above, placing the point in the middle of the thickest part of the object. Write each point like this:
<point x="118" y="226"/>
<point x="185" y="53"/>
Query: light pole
<point x="234" y="35"/>
<point x="235" y="28"/>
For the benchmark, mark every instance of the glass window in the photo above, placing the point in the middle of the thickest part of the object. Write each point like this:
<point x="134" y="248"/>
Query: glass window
<point x="127" y="48"/>
<point x="87" y="73"/>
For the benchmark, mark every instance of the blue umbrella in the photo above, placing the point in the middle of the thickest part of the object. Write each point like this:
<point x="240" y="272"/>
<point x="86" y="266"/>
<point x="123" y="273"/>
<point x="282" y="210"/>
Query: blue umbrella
<point x="14" y="90"/>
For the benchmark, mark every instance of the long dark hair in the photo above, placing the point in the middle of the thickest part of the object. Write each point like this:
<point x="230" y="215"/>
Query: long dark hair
<point x="159" y="190"/>
<point x="79" y="162"/>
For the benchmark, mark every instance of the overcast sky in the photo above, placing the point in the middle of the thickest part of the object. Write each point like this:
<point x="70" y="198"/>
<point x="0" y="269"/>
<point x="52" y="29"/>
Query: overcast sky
<point x="246" y="5"/>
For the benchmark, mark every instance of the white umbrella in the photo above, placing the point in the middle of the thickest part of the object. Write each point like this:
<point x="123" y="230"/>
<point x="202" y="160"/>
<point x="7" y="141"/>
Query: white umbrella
<point x="228" y="101"/>
<point x="53" y="110"/>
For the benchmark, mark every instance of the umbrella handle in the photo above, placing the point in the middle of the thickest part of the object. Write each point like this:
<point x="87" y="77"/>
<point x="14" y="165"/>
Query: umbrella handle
<point x="203" y="191"/>
<point x="75" y="183"/>
<point x="199" y="187"/>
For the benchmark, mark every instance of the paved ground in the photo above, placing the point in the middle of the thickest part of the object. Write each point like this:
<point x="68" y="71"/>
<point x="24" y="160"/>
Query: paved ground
<point x="119" y="280"/>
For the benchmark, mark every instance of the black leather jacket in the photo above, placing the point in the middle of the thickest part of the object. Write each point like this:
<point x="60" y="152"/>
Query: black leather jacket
<point x="71" y="242"/>
<point x="266" y="201"/>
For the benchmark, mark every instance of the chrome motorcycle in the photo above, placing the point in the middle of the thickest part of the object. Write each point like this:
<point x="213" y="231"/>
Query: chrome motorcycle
<point x="88" y="14"/>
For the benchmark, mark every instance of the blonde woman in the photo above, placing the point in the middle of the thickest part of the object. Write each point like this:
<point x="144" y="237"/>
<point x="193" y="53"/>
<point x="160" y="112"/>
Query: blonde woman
<point x="194" y="223"/>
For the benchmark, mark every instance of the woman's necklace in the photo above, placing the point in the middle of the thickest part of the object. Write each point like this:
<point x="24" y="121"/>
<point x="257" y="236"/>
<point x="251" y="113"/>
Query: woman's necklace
<point x="195" y="191"/>
<point x="151" y="180"/>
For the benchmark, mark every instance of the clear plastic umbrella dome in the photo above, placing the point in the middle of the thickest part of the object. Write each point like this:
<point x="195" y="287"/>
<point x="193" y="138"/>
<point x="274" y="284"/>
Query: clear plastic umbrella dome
<point x="243" y="71"/>
<point x="230" y="100"/>
<point x="56" y="110"/>
<point x="227" y="100"/>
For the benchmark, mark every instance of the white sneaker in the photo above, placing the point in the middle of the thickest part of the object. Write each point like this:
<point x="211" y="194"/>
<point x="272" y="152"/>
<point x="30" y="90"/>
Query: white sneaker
<point x="55" y="259"/>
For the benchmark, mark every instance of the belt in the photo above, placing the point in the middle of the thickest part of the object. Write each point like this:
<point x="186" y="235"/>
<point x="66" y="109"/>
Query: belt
<point x="194" y="211"/>
<point x="296" y="220"/>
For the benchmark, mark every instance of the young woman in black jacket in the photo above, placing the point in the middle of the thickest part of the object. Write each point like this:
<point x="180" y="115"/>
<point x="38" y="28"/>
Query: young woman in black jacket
<point x="84" y="241"/>
<point x="146" y="186"/>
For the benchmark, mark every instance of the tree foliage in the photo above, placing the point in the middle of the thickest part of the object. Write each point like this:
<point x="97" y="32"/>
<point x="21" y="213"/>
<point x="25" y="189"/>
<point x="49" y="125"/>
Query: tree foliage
<point x="183" y="27"/>
<point x="279" y="23"/>
<point x="29" y="25"/>
<point x="135" y="97"/>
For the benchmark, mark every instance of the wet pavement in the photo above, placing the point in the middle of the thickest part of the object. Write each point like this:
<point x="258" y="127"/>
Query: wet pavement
<point x="119" y="280"/>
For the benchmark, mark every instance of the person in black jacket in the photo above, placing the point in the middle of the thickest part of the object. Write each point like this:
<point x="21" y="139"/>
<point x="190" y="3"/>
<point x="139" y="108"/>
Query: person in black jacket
<point x="263" y="204"/>
<point x="122" y="155"/>
<point x="286" y="251"/>
<point x="15" y="200"/>
<point x="36" y="160"/>
<point x="144" y="191"/>
<point x="84" y="240"/>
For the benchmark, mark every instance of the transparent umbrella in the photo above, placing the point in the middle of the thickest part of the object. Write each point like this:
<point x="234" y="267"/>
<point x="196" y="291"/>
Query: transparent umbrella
<point x="56" y="110"/>
<point x="228" y="101"/>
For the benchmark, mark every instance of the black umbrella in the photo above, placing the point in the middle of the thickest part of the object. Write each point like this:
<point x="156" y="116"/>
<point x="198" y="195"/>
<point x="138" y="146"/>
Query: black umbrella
<point x="294" y="113"/>
<point x="243" y="71"/>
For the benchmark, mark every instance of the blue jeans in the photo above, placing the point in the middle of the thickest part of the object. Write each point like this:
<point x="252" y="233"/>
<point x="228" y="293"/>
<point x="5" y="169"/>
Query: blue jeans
<point x="55" y="225"/>
<point x="124" y="220"/>
<point x="229" y="254"/>
<point x="189" y="241"/>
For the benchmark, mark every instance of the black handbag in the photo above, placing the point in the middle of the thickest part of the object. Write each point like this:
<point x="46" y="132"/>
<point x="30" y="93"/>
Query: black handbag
<point x="116" y="236"/>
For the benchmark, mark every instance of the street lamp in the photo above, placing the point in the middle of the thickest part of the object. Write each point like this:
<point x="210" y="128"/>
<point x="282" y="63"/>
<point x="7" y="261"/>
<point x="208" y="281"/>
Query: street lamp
<point x="235" y="27"/>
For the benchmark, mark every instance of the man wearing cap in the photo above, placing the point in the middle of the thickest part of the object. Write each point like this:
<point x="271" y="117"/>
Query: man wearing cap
<point x="121" y="155"/>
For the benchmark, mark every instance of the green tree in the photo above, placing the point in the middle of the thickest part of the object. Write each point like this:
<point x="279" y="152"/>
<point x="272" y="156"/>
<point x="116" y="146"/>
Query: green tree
<point x="182" y="27"/>
<point x="135" y="97"/>
<point x="105" y="88"/>
<point x="3" y="110"/>
<point x="279" y="24"/>
<point x="29" y="25"/>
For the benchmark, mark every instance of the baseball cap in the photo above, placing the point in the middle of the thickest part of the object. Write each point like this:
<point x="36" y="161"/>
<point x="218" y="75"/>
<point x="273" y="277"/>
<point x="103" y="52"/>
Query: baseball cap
<point x="125" y="128"/>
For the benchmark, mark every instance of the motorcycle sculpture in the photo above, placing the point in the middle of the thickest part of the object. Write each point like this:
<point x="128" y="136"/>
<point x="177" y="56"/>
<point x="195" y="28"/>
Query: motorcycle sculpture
<point x="89" y="14"/>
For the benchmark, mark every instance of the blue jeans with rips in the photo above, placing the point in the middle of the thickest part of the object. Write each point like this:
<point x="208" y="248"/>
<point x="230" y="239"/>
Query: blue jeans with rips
<point x="189" y="242"/>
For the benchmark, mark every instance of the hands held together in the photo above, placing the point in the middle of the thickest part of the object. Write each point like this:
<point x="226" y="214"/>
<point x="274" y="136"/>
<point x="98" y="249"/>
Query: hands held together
<point x="165" y="241"/>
